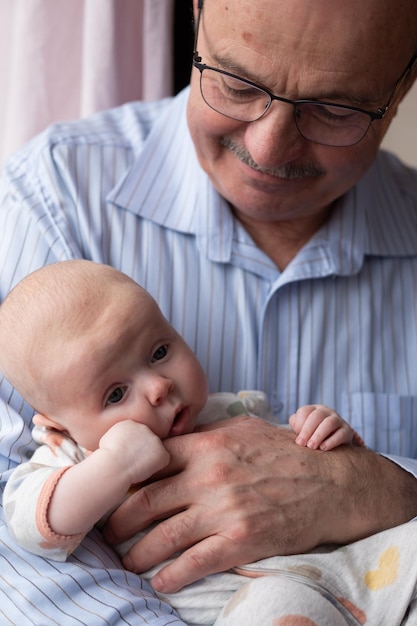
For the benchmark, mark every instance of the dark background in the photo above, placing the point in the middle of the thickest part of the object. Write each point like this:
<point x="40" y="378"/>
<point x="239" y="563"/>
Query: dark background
<point x="183" y="42"/>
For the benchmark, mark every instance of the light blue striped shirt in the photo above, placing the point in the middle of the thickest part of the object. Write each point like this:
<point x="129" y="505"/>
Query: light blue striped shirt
<point x="338" y="326"/>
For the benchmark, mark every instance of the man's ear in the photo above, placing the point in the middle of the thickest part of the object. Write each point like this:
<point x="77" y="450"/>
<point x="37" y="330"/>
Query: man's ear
<point x="42" y="420"/>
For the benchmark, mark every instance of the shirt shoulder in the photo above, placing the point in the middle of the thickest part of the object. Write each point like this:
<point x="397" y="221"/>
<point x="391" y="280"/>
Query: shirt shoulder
<point x="394" y="176"/>
<point x="388" y="197"/>
<point x="125" y="127"/>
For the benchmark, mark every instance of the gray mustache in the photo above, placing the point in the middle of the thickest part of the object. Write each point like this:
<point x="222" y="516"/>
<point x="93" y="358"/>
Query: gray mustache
<point x="289" y="171"/>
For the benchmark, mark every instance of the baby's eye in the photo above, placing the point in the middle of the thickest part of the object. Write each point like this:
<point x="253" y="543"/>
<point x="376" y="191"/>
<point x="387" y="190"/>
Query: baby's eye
<point x="159" y="353"/>
<point x="116" y="395"/>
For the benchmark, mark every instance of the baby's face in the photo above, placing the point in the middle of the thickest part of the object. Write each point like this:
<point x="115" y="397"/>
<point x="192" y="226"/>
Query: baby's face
<point x="134" y="366"/>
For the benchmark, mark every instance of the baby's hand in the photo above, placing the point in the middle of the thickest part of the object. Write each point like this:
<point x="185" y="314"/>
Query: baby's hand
<point x="137" y="449"/>
<point x="319" y="427"/>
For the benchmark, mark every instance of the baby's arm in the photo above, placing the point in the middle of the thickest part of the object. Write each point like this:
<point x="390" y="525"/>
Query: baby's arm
<point x="319" y="427"/>
<point x="128" y="453"/>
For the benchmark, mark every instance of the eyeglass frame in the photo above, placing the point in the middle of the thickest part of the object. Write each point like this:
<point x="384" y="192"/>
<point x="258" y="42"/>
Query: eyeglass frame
<point x="379" y="114"/>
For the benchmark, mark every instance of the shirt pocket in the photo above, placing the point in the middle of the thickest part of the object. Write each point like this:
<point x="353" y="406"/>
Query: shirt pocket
<point x="387" y="422"/>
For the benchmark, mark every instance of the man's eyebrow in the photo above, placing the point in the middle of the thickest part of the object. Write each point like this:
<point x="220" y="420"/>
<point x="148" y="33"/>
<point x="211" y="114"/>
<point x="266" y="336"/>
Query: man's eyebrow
<point x="228" y="64"/>
<point x="234" y="67"/>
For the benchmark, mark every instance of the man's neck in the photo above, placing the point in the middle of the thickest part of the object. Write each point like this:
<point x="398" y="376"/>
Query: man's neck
<point x="281" y="240"/>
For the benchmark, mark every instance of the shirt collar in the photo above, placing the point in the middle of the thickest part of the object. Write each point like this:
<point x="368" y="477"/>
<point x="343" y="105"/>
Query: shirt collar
<point x="376" y="218"/>
<point x="166" y="177"/>
<point x="389" y="193"/>
<point x="166" y="180"/>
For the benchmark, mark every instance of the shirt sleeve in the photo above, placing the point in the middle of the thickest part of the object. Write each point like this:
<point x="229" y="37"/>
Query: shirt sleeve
<point x="26" y="500"/>
<point x="410" y="465"/>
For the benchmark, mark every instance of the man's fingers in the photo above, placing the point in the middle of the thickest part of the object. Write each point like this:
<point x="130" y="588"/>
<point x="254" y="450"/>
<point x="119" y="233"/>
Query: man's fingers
<point x="142" y="508"/>
<point x="167" y="537"/>
<point x="172" y="489"/>
<point x="204" y="558"/>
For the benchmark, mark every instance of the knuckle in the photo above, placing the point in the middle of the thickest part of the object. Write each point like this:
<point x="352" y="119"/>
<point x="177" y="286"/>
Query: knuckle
<point x="212" y="440"/>
<point x="220" y="472"/>
<point x="146" y="498"/>
<point x="206" y="559"/>
<point x="174" y="529"/>
<point x="332" y="420"/>
<point x="240" y="533"/>
<point x="208" y="556"/>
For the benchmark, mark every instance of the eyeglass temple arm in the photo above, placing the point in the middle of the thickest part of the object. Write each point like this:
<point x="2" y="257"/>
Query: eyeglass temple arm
<point x="196" y="56"/>
<point x="407" y="73"/>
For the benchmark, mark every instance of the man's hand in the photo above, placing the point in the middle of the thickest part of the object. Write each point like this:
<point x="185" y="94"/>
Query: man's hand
<point x="241" y="490"/>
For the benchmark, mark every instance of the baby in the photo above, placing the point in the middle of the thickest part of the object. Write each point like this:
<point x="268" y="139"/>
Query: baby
<point x="110" y="379"/>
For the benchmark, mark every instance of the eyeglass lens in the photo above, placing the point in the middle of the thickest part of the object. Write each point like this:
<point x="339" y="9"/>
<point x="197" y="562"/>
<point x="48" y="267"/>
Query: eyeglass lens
<point x="324" y="124"/>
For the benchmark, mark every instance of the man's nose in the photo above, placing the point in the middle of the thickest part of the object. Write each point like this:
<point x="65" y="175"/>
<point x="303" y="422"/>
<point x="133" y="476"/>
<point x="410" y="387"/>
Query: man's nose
<point x="158" y="388"/>
<point x="274" y="139"/>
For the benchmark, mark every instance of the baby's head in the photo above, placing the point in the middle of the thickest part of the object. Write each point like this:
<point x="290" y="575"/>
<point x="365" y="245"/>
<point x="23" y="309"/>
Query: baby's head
<point x="48" y="312"/>
<point x="86" y="347"/>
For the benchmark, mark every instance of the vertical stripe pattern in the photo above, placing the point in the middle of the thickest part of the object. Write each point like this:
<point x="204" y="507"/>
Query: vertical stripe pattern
<point x="338" y="326"/>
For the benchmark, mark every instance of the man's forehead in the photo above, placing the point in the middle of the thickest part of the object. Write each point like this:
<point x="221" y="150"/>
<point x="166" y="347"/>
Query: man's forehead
<point x="385" y="36"/>
<point x="367" y="17"/>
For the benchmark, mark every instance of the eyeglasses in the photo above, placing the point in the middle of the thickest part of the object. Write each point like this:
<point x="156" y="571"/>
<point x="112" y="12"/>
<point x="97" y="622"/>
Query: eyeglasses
<point x="325" y="123"/>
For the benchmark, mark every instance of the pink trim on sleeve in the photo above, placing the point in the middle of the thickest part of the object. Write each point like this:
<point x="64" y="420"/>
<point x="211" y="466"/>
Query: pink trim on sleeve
<point x="52" y="539"/>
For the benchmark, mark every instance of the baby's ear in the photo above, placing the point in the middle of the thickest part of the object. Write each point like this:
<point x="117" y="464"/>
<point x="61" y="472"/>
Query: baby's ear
<point x="42" y="420"/>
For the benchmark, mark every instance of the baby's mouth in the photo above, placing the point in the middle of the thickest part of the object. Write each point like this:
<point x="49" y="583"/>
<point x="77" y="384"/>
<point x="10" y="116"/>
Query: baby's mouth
<point x="179" y="425"/>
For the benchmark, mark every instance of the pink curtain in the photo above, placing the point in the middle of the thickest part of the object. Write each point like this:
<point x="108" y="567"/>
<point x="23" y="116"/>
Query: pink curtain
<point x="65" y="59"/>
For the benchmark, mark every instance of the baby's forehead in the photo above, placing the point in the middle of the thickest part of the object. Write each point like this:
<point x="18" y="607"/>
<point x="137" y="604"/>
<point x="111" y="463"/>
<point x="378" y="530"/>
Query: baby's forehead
<point x="96" y="307"/>
<point x="89" y="304"/>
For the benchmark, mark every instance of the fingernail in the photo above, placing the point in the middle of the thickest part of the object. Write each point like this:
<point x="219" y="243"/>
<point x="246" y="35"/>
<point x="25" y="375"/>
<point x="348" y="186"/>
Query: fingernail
<point x="127" y="563"/>
<point x="157" y="583"/>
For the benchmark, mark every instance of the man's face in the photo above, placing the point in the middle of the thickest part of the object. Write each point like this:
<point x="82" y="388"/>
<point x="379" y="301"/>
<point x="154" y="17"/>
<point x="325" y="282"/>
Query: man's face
<point x="298" y="53"/>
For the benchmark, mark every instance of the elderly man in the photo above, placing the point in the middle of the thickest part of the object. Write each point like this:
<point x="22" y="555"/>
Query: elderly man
<point x="258" y="211"/>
